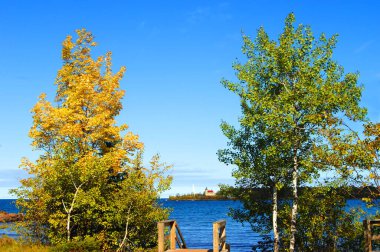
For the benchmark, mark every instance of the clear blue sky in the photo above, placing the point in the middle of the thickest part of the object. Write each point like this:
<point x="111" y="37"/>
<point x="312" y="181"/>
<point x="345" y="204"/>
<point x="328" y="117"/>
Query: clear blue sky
<point x="176" y="53"/>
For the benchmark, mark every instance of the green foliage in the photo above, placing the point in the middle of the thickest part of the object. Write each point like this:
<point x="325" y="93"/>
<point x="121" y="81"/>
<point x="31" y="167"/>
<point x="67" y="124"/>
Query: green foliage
<point x="323" y="222"/>
<point x="88" y="244"/>
<point x="254" y="154"/>
<point x="360" y="159"/>
<point x="135" y="207"/>
<point x="291" y="91"/>
<point x="368" y="160"/>
<point x="294" y="99"/>
<point x="145" y="250"/>
<point x="8" y="244"/>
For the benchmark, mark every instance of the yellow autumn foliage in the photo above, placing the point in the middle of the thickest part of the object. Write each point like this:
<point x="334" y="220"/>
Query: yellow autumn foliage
<point x="89" y="177"/>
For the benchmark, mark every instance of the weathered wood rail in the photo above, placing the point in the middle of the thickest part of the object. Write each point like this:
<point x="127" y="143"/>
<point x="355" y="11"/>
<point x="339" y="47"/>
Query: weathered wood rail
<point x="170" y="238"/>
<point x="173" y="238"/>
<point x="220" y="237"/>
<point x="370" y="234"/>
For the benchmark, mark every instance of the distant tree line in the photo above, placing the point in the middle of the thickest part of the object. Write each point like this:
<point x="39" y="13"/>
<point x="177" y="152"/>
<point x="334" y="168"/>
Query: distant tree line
<point x="256" y="193"/>
<point x="199" y="196"/>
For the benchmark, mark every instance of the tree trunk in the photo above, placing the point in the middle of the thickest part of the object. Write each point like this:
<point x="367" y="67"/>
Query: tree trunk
<point x="293" y="227"/>
<point x="68" y="226"/>
<point x="122" y="244"/>
<point x="274" y="219"/>
<point x="69" y="211"/>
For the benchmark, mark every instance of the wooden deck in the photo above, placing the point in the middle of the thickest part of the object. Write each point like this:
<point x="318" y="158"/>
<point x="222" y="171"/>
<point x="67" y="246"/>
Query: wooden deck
<point x="170" y="238"/>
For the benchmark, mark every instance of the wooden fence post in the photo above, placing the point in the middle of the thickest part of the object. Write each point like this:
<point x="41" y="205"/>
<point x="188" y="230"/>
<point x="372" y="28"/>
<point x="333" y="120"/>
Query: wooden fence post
<point x="219" y="236"/>
<point x="215" y="237"/>
<point x="161" y="236"/>
<point x="172" y="235"/>
<point x="368" y="236"/>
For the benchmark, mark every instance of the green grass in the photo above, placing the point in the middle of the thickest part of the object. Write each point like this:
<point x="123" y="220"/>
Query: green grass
<point x="8" y="244"/>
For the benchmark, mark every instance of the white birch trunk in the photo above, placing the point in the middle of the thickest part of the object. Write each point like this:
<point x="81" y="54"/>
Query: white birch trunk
<point x="122" y="244"/>
<point x="293" y="227"/>
<point x="274" y="219"/>
<point x="69" y="211"/>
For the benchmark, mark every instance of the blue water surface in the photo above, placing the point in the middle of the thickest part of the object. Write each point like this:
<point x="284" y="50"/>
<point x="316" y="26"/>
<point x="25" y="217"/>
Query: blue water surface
<point x="8" y="205"/>
<point x="195" y="220"/>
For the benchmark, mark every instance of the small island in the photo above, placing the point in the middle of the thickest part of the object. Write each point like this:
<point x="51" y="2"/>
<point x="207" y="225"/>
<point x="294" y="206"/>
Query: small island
<point x="208" y="194"/>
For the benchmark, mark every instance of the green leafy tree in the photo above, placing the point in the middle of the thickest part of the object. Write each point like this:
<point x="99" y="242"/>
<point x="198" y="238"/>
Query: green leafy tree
<point x="88" y="180"/>
<point x="296" y="93"/>
<point x="259" y="166"/>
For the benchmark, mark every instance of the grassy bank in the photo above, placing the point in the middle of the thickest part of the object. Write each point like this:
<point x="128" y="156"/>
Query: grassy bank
<point x="8" y="244"/>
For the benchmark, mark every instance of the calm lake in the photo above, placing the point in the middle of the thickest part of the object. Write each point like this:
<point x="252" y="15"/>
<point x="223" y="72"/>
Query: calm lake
<point x="195" y="220"/>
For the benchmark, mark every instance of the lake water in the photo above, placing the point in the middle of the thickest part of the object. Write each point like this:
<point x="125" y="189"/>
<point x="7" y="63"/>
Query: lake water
<point x="8" y="206"/>
<point x="195" y="220"/>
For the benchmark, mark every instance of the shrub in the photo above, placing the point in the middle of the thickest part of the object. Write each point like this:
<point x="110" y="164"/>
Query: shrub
<point x="88" y="244"/>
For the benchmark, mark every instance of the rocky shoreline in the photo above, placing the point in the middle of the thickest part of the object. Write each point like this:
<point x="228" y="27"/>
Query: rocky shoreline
<point x="10" y="217"/>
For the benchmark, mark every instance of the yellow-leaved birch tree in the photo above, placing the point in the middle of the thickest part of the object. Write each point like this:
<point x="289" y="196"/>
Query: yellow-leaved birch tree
<point x="87" y="166"/>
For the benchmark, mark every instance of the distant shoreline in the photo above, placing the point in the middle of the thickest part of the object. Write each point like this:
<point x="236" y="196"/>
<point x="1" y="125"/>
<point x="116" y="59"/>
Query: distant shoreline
<point x="10" y="217"/>
<point x="171" y="199"/>
<point x="198" y="197"/>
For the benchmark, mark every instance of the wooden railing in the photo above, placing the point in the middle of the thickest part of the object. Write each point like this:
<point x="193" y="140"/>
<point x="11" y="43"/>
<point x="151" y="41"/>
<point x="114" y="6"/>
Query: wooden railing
<point x="219" y="236"/>
<point x="369" y="235"/>
<point x="170" y="238"/>
<point x="173" y="238"/>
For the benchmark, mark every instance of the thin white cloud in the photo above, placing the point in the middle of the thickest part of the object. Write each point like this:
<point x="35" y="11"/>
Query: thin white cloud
<point x="198" y="15"/>
<point x="10" y="178"/>
<point x="201" y="14"/>
<point x="4" y="193"/>
<point x="181" y="164"/>
<point x="364" y="46"/>
<point x="141" y="25"/>
<point x="224" y="5"/>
